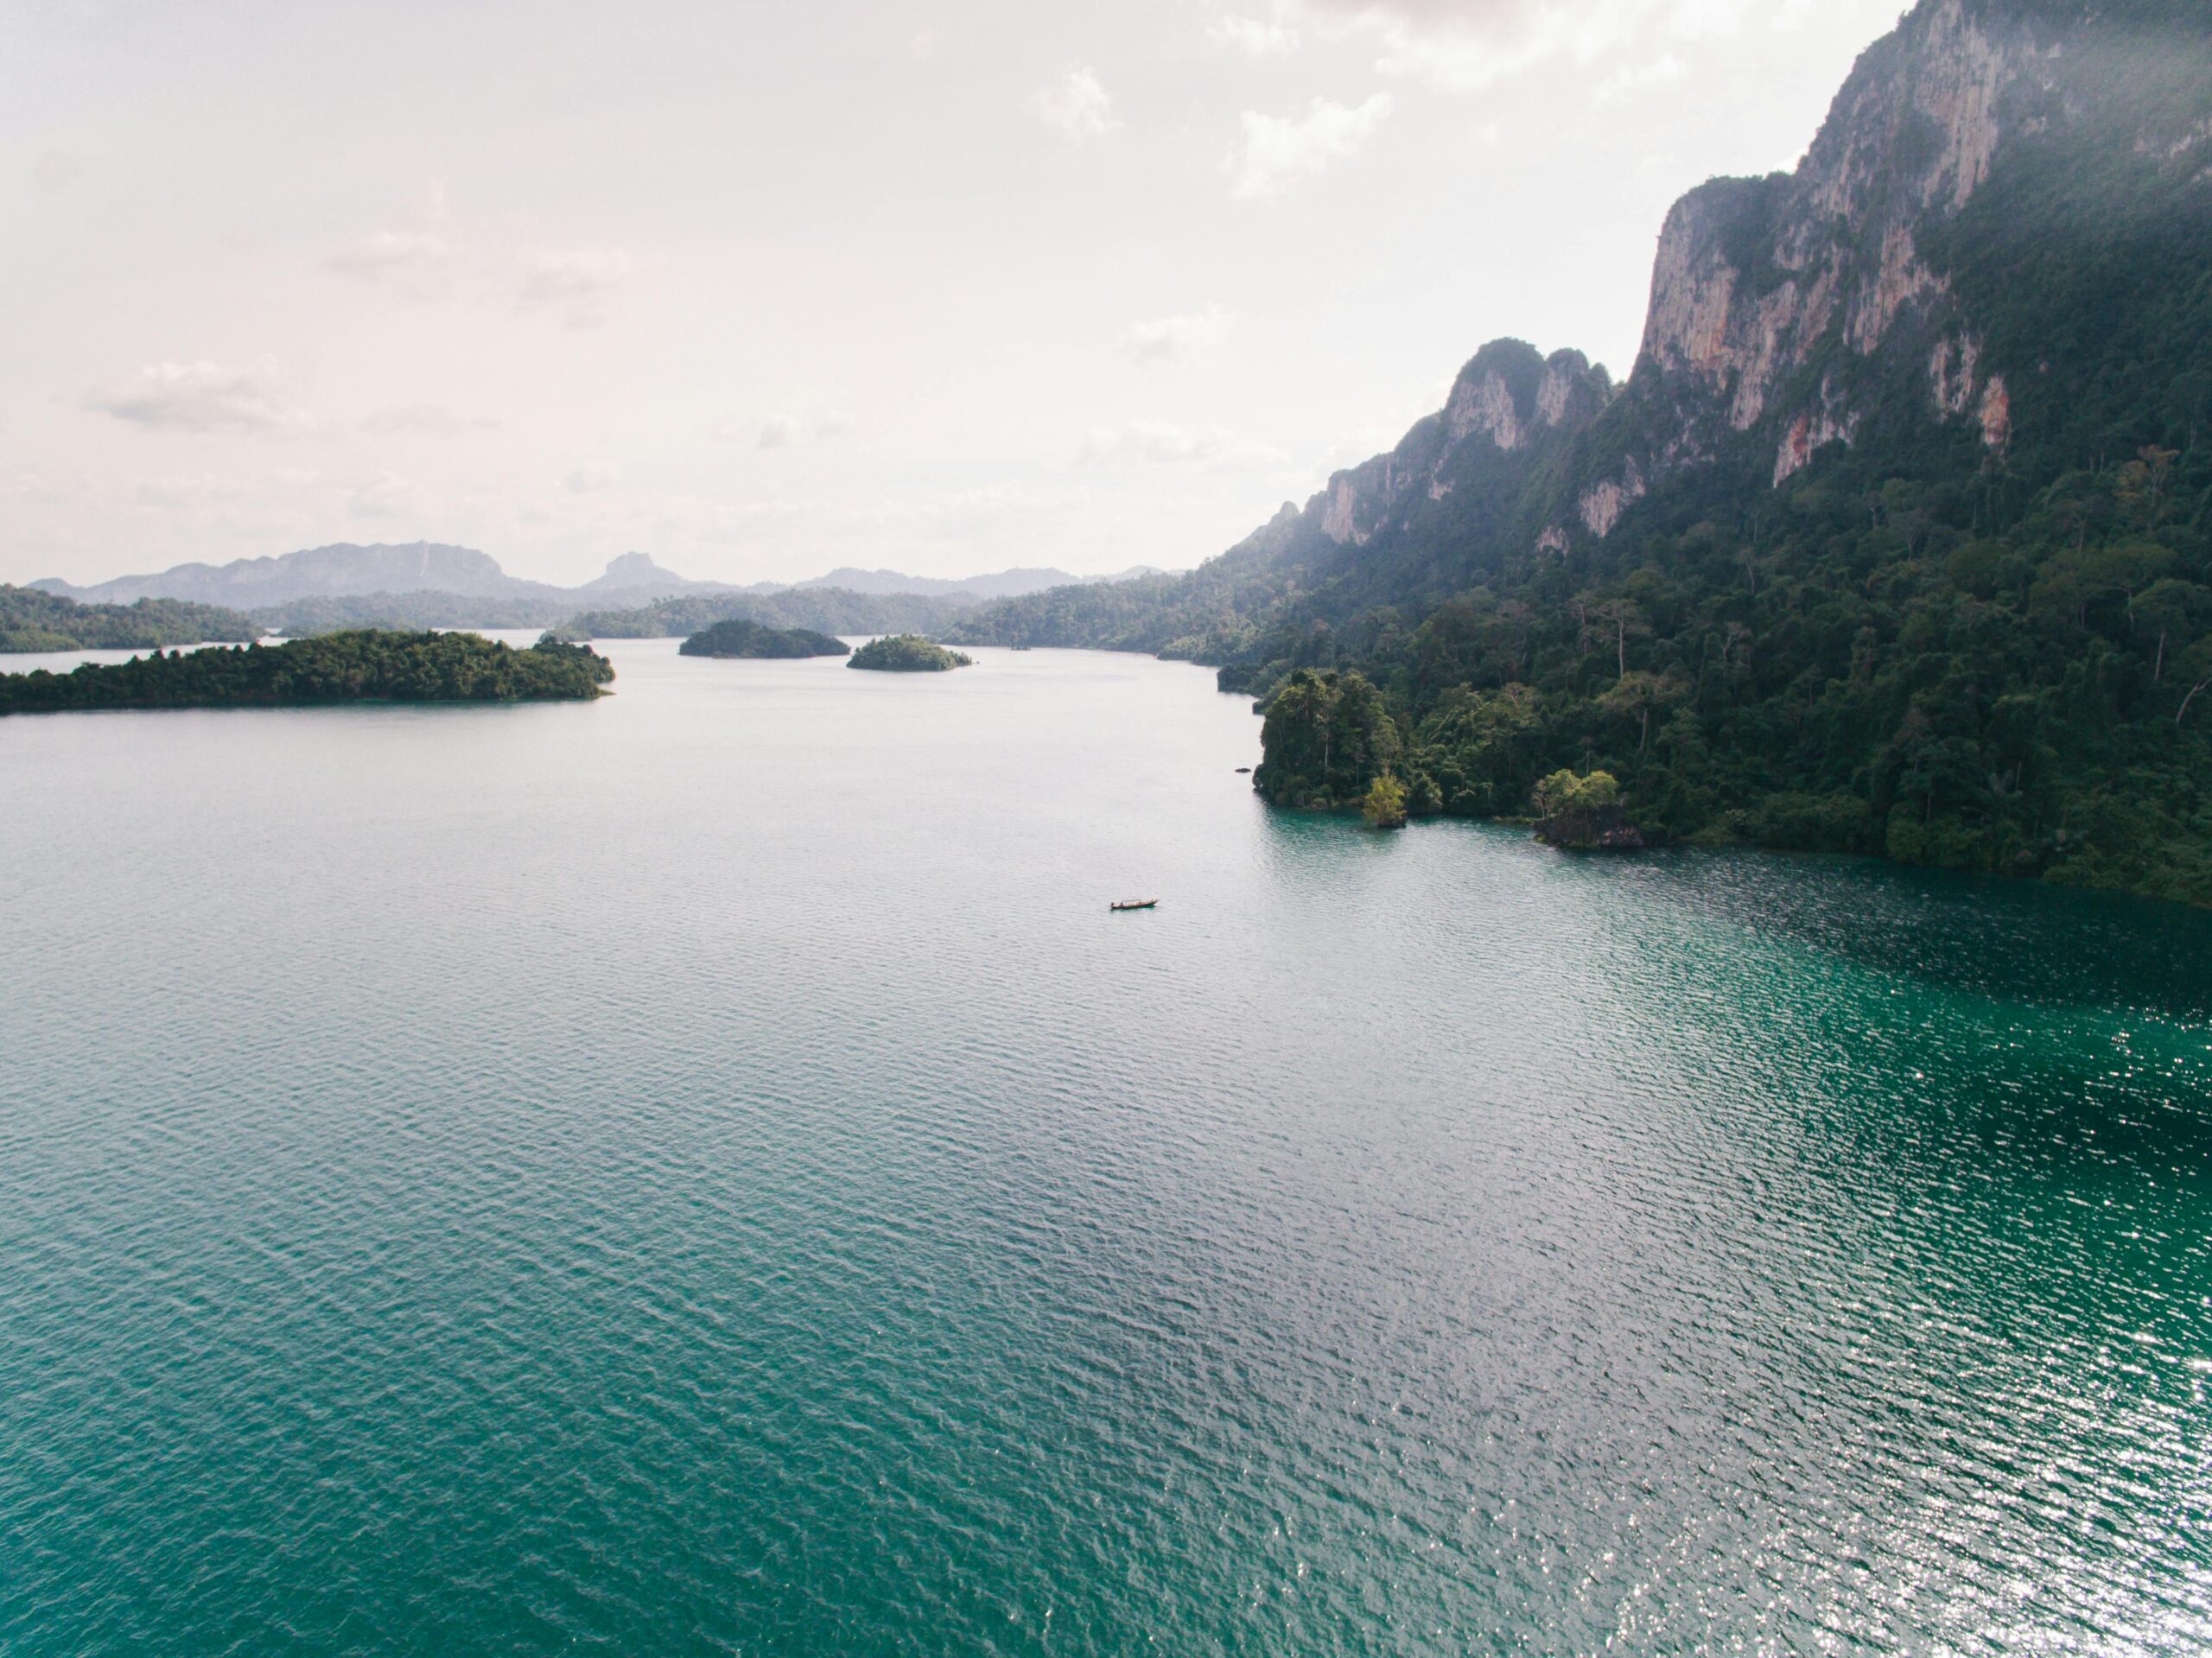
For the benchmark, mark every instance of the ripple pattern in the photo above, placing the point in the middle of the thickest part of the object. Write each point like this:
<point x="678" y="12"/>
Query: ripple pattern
<point x="704" y="1173"/>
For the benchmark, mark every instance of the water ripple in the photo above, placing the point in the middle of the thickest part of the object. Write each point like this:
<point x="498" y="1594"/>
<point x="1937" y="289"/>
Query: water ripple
<point x="704" y="1173"/>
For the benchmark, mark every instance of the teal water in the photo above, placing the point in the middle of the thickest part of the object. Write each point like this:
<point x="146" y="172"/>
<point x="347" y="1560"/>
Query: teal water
<point x="704" y="1172"/>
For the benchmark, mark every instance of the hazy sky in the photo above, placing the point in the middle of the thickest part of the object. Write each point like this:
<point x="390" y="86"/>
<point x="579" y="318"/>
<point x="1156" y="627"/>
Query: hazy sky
<point x="761" y="288"/>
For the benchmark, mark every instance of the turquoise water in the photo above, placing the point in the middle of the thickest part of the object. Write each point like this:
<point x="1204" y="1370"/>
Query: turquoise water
<point x="704" y="1172"/>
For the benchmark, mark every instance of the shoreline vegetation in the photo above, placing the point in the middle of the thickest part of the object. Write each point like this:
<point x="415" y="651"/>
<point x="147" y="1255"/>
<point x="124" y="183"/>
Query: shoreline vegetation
<point x="366" y="666"/>
<point x="32" y="621"/>
<point x="741" y="636"/>
<point x="908" y="653"/>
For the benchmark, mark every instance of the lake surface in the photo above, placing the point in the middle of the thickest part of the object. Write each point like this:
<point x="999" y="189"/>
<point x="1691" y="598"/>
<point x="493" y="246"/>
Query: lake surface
<point x="704" y="1172"/>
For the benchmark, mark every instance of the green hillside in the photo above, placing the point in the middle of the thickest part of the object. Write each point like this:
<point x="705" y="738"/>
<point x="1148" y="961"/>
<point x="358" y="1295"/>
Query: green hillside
<point x="1898" y="539"/>
<point x="34" y="621"/>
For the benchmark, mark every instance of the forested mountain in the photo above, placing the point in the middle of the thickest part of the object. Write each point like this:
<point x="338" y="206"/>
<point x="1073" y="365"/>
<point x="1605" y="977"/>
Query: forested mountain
<point x="428" y="584"/>
<point x="33" y="620"/>
<point x="1895" y="539"/>
<point x="317" y="571"/>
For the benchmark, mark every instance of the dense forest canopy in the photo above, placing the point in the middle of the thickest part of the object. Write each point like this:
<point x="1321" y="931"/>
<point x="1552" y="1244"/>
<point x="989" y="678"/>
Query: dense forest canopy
<point x="354" y="667"/>
<point x="907" y="653"/>
<point x="743" y="636"/>
<point x="34" y="621"/>
<point x="1873" y="666"/>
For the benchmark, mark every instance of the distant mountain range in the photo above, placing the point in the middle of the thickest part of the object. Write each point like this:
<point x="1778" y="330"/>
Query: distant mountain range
<point x="346" y="571"/>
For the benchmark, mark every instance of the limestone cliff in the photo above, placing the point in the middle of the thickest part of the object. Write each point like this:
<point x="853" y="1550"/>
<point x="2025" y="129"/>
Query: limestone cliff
<point x="1977" y="269"/>
<point x="1507" y="402"/>
<point x="1786" y="309"/>
<point x="1763" y="290"/>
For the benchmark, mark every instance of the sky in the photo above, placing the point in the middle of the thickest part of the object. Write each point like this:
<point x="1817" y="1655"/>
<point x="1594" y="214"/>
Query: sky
<point x="764" y="289"/>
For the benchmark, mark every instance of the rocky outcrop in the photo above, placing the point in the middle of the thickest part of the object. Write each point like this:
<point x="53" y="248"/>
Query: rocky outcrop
<point x="1339" y="513"/>
<point x="1806" y="435"/>
<point x="1996" y="414"/>
<point x="1762" y="284"/>
<point x="1506" y="403"/>
<point x="1483" y="404"/>
<point x="1602" y="505"/>
<point x="1797" y="313"/>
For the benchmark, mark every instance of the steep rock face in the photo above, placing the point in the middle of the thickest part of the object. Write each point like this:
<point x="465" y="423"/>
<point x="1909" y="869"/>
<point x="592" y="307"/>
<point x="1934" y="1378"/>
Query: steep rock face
<point x="1763" y="289"/>
<point x="1783" y="309"/>
<point x="1509" y="401"/>
<point x="1983" y="264"/>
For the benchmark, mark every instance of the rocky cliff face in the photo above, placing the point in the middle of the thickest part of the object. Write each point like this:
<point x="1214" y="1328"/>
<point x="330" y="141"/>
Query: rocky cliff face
<point x="1981" y="266"/>
<point x="1786" y="312"/>
<point x="1764" y="291"/>
<point x="1786" y="309"/>
<point x="1510" y="409"/>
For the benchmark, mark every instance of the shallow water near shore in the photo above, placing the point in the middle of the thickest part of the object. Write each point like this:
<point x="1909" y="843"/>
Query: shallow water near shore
<point x="705" y="1173"/>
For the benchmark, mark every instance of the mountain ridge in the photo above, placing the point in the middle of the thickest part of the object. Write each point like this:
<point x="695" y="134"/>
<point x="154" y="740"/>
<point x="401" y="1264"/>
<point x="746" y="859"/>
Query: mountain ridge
<point x="631" y="579"/>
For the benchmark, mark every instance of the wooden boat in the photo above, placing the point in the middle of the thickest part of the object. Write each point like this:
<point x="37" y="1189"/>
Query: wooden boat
<point x="1135" y="903"/>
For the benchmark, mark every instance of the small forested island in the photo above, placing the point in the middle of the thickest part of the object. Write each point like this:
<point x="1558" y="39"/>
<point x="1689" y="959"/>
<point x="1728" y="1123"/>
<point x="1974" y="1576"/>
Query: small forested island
<point x="33" y="620"/>
<point x="908" y="653"/>
<point x="741" y="636"/>
<point x="367" y="666"/>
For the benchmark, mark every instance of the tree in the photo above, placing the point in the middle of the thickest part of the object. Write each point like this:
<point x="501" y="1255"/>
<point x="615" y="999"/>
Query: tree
<point x="2075" y="580"/>
<point x="2198" y="666"/>
<point x="2171" y="610"/>
<point x="1326" y="737"/>
<point x="1385" y="806"/>
<point x="1622" y="618"/>
<point x="1596" y="792"/>
<point x="1636" y="695"/>
<point x="2146" y="484"/>
<point x="1563" y="791"/>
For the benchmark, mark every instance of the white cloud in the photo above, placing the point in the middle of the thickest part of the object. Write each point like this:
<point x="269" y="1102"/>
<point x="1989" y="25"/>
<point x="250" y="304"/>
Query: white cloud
<point x="585" y="479"/>
<point x="1158" y="443"/>
<point x="204" y="397"/>
<point x="580" y="283"/>
<point x="54" y="171"/>
<point x="1277" y="150"/>
<point x="426" y="419"/>
<point x="1078" y="108"/>
<point x="417" y="259"/>
<point x="1252" y="37"/>
<point x="1191" y="338"/>
<point x="389" y="254"/>
<point x="777" y="432"/>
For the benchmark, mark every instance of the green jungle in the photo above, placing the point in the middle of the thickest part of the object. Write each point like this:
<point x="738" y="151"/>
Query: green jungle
<point x="357" y="667"/>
